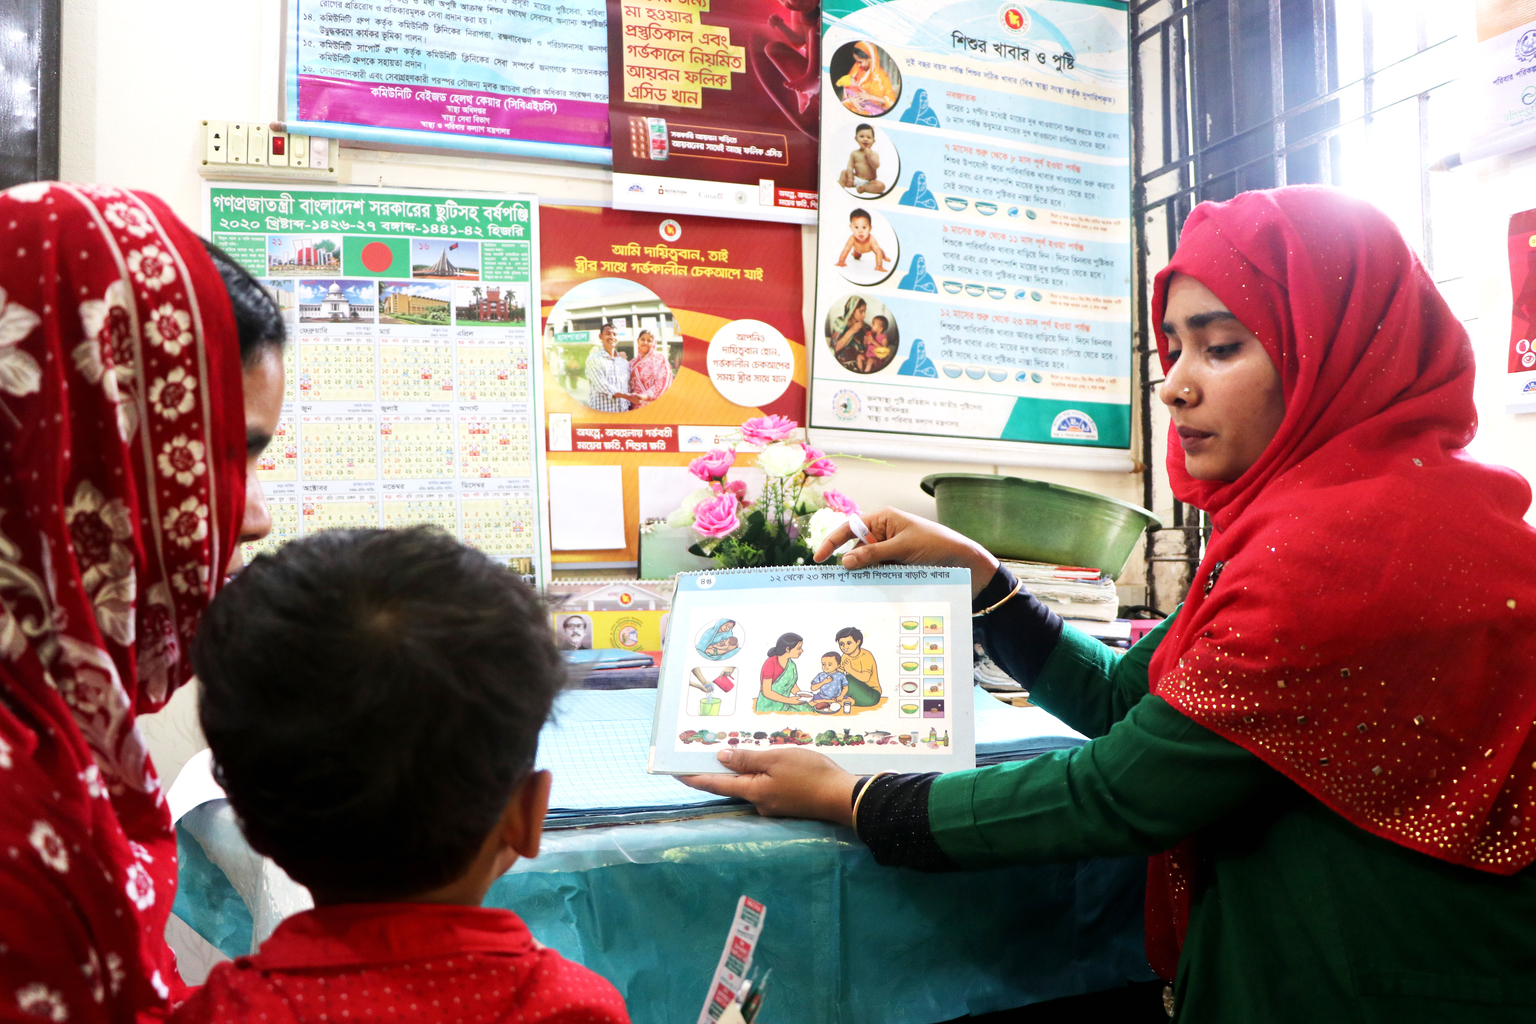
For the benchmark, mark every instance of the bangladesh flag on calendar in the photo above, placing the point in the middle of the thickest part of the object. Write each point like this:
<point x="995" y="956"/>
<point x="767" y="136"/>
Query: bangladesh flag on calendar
<point x="376" y="257"/>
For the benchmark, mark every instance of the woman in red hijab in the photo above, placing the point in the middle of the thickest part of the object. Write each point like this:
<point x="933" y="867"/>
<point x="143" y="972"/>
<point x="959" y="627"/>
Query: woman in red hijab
<point x="1327" y="751"/>
<point x="140" y="374"/>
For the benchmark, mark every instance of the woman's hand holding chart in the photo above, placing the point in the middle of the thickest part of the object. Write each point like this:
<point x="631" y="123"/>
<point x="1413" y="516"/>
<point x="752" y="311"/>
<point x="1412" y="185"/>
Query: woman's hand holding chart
<point x="790" y="783"/>
<point x="897" y="536"/>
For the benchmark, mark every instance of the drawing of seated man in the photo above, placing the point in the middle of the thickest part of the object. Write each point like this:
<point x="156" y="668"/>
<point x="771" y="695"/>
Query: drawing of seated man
<point x="859" y="666"/>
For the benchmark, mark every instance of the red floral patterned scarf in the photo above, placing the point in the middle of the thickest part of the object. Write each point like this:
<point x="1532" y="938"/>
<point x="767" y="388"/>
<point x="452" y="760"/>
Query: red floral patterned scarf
<point x="121" y="491"/>
<point x="1364" y="619"/>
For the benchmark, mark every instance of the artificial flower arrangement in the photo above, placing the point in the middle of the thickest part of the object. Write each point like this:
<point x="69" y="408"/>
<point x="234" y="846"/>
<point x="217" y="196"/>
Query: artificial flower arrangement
<point x="791" y="517"/>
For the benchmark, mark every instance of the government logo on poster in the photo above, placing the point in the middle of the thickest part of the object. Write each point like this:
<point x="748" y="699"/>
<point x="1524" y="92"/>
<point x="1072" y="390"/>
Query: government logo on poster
<point x="1074" y="425"/>
<point x="1014" y="19"/>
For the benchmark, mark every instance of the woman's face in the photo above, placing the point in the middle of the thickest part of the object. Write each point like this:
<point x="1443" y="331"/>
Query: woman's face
<point x="859" y="313"/>
<point x="1222" y="391"/>
<point x="795" y="651"/>
<point x="263" y="388"/>
<point x="644" y="344"/>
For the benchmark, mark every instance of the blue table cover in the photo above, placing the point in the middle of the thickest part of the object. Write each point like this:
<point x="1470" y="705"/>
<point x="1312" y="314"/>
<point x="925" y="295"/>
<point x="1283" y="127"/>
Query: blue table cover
<point x="850" y="942"/>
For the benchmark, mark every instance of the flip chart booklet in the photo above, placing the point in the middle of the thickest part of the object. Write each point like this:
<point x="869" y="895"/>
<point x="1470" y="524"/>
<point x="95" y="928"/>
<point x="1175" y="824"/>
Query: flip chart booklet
<point x="872" y="668"/>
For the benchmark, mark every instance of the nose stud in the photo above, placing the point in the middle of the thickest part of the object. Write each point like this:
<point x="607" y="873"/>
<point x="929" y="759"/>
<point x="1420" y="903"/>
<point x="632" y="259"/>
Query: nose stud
<point x="1184" y="392"/>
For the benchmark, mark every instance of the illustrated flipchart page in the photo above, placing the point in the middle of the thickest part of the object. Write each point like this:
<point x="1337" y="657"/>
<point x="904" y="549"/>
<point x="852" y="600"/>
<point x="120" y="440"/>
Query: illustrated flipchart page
<point x="872" y="668"/>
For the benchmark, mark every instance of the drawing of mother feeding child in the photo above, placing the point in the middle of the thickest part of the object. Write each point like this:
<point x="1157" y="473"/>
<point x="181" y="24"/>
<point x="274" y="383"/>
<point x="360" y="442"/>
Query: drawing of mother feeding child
<point x="848" y="679"/>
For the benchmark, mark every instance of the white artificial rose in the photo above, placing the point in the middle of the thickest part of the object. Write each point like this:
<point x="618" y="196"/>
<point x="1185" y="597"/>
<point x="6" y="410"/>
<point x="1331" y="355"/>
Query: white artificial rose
<point x="811" y="499"/>
<point x="781" y="459"/>
<point x="682" y="518"/>
<point x="822" y="523"/>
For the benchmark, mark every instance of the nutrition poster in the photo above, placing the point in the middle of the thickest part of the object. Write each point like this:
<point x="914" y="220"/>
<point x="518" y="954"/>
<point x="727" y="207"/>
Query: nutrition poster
<point x="872" y="668"/>
<point x="973" y="273"/>
<point x="713" y="107"/>
<point x="512" y="76"/>
<point x="412" y="366"/>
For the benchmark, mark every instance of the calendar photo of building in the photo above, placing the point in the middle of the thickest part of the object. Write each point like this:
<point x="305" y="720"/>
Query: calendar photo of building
<point x="415" y="302"/>
<point x="497" y="304"/>
<point x="332" y="302"/>
<point x="310" y="255"/>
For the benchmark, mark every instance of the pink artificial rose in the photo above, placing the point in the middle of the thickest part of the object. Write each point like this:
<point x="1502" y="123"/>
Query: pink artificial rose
<point x="712" y="465"/>
<point x="716" y="517"/>
<point x="736" y="487"/>
<point x="762" y="430"/>
<point x="837" y="501"/>
<point x="817" y="463"/>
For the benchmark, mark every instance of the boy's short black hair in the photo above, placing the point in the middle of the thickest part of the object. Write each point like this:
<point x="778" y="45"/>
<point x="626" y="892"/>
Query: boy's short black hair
<point x="834" y="655"/>
<point x="373" y="698"/>
<point x="852" y="631"/>
<point x="859" y="212"/>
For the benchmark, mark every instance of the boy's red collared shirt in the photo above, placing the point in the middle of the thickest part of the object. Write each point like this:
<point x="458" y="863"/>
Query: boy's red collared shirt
<point x="420" y="962"/>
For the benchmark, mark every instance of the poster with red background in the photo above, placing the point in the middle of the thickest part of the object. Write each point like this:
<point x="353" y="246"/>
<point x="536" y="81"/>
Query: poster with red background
<point x="714" y="111"/>
<point x="1522" y="332"/>
<point x="721" y="301"/>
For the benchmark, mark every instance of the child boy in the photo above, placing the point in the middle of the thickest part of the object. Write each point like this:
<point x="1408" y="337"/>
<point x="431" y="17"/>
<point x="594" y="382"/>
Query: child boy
<point x="863" y="170"/>
<point x="861" y="241"/>
<point x="874" y="341"/>
<point x="830" y="685"/>
<point x="373" y="700"/>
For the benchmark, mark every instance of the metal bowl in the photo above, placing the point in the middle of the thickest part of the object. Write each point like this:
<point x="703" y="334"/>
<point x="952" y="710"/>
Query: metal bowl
<point x="1035" y="521"/>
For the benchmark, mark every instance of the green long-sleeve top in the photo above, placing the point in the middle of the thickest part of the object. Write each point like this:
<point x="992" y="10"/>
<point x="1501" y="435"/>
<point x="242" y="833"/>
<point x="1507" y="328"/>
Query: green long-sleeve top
<point x="1296" y="916"/>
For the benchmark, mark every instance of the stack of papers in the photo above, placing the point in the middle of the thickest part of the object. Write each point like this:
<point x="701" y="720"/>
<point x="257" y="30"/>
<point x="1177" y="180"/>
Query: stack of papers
<point x="597" y="743"/>
<point x="1070" y="591"/>
<point x="1006" y="733"/>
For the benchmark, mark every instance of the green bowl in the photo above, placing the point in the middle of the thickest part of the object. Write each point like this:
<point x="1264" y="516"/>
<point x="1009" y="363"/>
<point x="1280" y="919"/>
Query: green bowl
<point x="1035" y="521"/>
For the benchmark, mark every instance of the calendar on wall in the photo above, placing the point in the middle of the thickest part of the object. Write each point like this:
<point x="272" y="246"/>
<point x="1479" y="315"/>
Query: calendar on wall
<point x="409" y="392"/>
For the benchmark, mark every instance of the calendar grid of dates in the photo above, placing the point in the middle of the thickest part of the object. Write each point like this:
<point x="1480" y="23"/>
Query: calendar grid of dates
<point x="391" y="424"/>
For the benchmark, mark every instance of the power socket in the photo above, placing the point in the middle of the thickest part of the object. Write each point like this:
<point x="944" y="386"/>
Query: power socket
<point x="215" y="142"/>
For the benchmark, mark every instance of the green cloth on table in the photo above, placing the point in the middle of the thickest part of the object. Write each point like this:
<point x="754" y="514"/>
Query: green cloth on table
<point x="1297" y="915"/>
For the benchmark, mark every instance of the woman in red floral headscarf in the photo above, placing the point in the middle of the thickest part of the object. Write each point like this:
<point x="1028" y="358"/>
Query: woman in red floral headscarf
<point x="1327" y="751"/>
<point x="139" y="376"/>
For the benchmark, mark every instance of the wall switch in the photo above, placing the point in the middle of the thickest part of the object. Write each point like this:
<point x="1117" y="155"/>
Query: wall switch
<point x="238" y="137"/>
<point x="319" y="152"/>
<point x="215" y="142"/>
<point x="256" y="145"/>
<point x="277" y="149"/>
<point x="298" y="151"/>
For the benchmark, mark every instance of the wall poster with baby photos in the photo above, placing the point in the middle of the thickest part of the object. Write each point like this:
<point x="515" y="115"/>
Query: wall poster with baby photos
<point x="973" y="275"/>
<point x="412" y="365"/>
<point x="872" y="668"/>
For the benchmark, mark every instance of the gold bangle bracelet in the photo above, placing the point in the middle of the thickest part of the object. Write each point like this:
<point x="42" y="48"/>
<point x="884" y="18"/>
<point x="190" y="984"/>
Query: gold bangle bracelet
<point x="860" y="798"/>
<point x="1018" y="585"/>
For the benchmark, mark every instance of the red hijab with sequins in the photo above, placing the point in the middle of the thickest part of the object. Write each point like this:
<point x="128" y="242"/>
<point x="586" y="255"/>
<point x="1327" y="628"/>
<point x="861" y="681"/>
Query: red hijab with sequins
<point x="122" y="451"/>
<point x="1364" y="619"/>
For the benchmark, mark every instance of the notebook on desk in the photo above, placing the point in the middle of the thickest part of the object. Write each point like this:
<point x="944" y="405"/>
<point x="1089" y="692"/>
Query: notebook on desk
<point x="872" y="668"/>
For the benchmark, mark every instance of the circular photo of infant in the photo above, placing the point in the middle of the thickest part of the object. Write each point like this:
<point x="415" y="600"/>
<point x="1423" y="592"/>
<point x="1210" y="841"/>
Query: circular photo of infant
<point x="873" y="167"/>
<point x="872" y="249"/>
<point x="867" y="80"/>
<point x="862" y="333"/>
